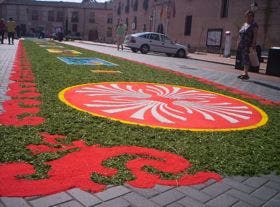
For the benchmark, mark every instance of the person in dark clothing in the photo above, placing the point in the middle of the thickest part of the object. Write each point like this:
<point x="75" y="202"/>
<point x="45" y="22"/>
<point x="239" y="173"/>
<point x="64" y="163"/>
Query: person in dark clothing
<point x="2" y="30"/>
<point x="247" y="39"/>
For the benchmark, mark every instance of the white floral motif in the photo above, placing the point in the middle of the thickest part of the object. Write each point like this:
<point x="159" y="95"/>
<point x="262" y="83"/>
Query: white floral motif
<point x="165" y="104"/>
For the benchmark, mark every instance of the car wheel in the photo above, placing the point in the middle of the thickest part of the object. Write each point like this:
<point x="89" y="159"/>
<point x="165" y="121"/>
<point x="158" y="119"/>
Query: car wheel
<point x="144" y="49"/>
<point x="134" y="49"/>
<point x="168" y="54"/>
<point x="181" y="53"/>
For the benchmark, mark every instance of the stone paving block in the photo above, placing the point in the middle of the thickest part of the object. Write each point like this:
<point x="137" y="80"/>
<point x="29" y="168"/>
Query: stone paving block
<point x="237" y="185"/>
<point x="189" y="202"/>
<point x="264" y="193"/>
<point x="51" y="200"/>
<point x="113" y="193"/>
<point x="241" y="204"/>
<point x="167" y="197"/>
<point x="277" y="196"/>
<point x="272" y="203"/>
<point x="118" y="202"/>
<point x="255" y="182"/>
<point x="222" y="201"/>
<point x="163" y="188"/>
<point x="273" y="185"/>
<point x="245" y="197"/>
<point x="204" y="185"/>
<point x="216" y="189"/>
<point x="273" y="177"/>
<point x="175" y="205"/>
<point x="83" y="197"/>
<point x="239" y="178"/>
<point x="195" y="194"/>
<point x="70" y="204"/>
<point x="31" y="198"/>
<point x="138" y="201"/>
<point x="14" y="202"/>
<point x="147" y="193"/>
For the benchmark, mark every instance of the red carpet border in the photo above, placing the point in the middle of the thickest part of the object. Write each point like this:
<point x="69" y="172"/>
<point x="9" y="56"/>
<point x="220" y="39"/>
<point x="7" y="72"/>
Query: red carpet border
<point x="22" y="108"/>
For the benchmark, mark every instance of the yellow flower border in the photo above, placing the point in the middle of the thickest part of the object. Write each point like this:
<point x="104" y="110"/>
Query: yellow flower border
<point x="262" y="122"/>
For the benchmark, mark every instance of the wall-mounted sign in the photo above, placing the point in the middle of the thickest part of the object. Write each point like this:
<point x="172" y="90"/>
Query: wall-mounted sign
<point x="214" y="37"/>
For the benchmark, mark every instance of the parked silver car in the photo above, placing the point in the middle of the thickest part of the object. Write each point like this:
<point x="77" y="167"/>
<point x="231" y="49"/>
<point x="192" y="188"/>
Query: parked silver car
<point x="154" y="42"/>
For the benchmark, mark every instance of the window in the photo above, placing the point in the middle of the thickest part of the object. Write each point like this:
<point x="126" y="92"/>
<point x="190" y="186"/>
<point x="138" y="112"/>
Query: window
<point x="92" y="17"/>
<point x="74" y="27"/>
<point x="224" y="9"/>
<point x="154" y="37"/>
<point x="188" y="25"/>
<point x="119" y="11"/>
<point x="127" y="6"/>
<point x="50" y="16"/>
<point x="75" y="16"/>
<point x="35" y="15"/>
<point x="60" y="16"/>
<point x="145" y="36"/>
<point x="145" y="5"/>
<point x="135" y="5"/>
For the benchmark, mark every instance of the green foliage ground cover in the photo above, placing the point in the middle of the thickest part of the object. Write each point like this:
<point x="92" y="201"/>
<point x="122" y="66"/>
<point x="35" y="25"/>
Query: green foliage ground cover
<point x="246" y="152"/>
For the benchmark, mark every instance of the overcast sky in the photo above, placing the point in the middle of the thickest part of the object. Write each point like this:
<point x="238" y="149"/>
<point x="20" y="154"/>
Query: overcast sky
<point x="73" y="0"/>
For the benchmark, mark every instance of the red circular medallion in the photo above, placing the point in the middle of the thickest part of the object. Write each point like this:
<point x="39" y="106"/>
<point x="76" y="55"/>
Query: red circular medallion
<point x="165" y="106"/>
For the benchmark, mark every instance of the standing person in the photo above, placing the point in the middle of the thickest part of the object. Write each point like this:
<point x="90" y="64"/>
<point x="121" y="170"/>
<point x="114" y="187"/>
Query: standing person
<point x="120" y="33"/>
<point x="11" y="27"/>
<point x="247" y="38"/>
<point x="2" y="30"/>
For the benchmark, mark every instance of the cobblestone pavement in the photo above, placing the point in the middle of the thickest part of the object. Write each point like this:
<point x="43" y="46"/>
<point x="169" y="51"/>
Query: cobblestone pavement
<point x="236" y="191"/>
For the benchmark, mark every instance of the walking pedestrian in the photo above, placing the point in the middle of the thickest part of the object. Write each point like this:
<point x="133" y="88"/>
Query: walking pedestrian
<point x="247" y="40"/>
<point x="2" y="30"/>
<point x="11" y="27"/>
<point x="120" y="33"/>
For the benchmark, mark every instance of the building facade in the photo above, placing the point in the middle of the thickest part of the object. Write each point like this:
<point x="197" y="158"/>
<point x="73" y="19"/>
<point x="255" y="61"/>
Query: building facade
<point x="198" y="23"/>
<point x="89" y="21"/>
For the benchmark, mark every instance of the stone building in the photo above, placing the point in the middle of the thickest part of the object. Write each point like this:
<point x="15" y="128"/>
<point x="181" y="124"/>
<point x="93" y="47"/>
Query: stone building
<point x="90" y="21"/>
<point x="199" y="23"/>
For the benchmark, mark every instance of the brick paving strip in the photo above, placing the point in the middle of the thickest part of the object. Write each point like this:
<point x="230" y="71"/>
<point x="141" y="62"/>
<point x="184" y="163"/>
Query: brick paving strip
<point x="234" y="191"/>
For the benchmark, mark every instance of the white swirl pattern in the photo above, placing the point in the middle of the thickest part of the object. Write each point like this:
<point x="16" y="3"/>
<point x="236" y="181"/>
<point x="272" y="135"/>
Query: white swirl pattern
<point x="165" y="104"/>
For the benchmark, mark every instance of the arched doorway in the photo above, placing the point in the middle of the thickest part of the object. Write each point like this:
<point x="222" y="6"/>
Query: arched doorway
<point x="93" y="35"/>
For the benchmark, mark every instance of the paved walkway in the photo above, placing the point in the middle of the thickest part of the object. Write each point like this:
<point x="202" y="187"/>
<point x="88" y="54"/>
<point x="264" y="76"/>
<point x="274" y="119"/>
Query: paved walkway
<point x="234" y="191"/>
<point x="7" y="56"/>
